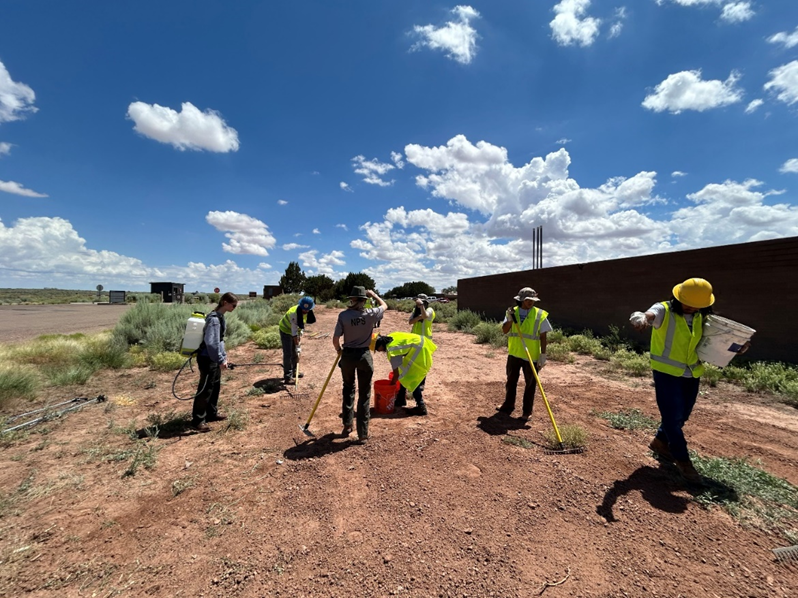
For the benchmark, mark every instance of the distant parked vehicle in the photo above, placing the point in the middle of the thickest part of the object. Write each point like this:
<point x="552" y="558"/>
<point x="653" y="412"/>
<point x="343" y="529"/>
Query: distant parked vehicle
<point x="444" y="300"/>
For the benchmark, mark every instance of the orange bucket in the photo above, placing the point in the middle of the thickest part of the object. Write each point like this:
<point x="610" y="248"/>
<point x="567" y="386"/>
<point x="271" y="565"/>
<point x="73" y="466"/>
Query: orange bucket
<point x="384" y="396"/>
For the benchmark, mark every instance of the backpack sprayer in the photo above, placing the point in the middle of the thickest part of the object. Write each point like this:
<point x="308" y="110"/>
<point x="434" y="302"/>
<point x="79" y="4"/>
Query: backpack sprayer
<point x="193" y="338"/>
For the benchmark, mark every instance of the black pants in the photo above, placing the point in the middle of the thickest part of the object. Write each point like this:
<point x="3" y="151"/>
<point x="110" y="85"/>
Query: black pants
<point x="207" y="398"/>
<point x="290" y="356"/>
<point x="401" y="396"/>
<point x="357" y="362"/>
<point x="514" y="367"/>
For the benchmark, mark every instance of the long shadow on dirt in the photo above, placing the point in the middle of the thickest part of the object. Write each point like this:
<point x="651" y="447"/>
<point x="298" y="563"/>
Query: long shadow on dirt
<point x="657" y="486"/>
<point x="500" y="423"/>
<point x="318" y="447"/>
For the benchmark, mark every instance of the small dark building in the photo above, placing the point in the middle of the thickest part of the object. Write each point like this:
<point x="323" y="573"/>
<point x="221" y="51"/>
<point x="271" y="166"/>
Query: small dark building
<point x="270" y="291"/>
<point x="172" y="292"/>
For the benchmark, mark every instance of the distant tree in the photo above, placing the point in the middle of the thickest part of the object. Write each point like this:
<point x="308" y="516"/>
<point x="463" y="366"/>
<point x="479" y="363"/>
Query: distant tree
<point x="410" y="289"/>
<point x="450" y="290"/>
<point x="354" y="279"/>
<point x="320" y="287"/>
<point x="293" y="280"/>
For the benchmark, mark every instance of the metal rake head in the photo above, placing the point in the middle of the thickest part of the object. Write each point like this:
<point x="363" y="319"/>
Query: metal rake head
<point x="787" y="554"/>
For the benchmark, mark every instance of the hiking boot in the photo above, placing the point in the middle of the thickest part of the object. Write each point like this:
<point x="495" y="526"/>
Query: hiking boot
<point x="417" y="410"/>
<point x="217" y="418"/>
<point x="660" y="449"/>
<point x="525" y="417"/>
<point x="398" y="403"/>
<point x="346" y="431"/>
<point x="504" y="409"/>
<point x="362" y="439"/>
<point x="289" y="381"/>
<point x="301" y="375"/>
<point x="201" y="427"/>
<point x="688" y="472"/>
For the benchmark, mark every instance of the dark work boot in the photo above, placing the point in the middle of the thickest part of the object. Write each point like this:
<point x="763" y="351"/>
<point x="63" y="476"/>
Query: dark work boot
<point x="660" y="449"/>
<point x="419" y="409"/>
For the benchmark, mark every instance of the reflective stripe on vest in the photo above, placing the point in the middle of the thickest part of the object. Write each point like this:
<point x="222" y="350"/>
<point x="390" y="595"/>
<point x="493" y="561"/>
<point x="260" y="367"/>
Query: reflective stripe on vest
<point x="673" y="344"/>
<point x="530" y="333"/>
<point x="417" y="357"/>
<point x="424" y="327"/>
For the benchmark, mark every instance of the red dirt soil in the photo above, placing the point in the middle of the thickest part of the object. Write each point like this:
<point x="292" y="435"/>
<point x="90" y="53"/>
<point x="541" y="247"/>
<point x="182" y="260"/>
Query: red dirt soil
<point x="431" y="506"/>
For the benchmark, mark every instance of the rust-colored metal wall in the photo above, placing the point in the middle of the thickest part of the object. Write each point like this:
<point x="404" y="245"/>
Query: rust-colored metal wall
<point x="755" y="284"/>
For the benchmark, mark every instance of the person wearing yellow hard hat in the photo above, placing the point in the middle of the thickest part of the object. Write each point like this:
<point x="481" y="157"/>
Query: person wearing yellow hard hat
<point x="676" y="328"/>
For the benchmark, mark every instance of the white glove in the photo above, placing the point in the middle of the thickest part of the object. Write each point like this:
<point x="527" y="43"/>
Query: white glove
<point x="638" y="320"/>
<point x="541" y="361"/>
<point x="298" y="350"/>
<point x="510" y="313"/>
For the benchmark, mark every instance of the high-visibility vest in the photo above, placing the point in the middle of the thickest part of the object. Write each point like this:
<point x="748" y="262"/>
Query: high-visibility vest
<point x="417" y="357"/>
<point x="424" y="327"/>
<point x="285" y="323"/>
<point x="530" y="333"/>
<point x="673" y="344"/>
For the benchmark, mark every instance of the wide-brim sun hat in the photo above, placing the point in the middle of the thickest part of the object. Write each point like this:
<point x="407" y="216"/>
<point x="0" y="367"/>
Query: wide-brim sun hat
<point x="358" y="293"/>
<point x="694" y="292"/>
<point x="526" y="293"/>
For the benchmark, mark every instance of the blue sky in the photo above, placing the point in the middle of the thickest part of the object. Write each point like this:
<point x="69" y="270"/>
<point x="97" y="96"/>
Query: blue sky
<point x="211" y="143"/>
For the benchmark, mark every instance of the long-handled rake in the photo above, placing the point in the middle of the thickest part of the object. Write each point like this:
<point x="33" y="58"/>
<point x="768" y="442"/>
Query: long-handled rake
<point x="296" y="394"/>
<point x="561" y="449"/>
<point x="321" y="394"/>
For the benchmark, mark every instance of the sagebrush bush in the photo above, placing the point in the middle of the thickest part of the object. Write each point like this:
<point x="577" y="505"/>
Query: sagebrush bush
<point x="464" y="320"/>
<point x="267" y="339"/>
<point x="559" y="352"/>
<point x="444" y="312"/>
<point x="556" y="336"/>
<point x="166" y="361"/>
<point x="489" y="332"/>
<point x="281" y="303"/>
<point x="712" y="375"/>
<point x="254" y="313"/>
<point x="573" y="437"/>
<point x="583" y="344"/>
<point x="630" y="362"/>
<point x="335" y="304"/>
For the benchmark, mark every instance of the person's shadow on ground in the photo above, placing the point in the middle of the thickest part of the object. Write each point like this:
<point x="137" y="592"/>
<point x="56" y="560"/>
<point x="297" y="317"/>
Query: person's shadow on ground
<point x="500" y="423"/>
<point x="657" y="486"/>
<point x="270" y="385"/>
<point x="318" y="447"/>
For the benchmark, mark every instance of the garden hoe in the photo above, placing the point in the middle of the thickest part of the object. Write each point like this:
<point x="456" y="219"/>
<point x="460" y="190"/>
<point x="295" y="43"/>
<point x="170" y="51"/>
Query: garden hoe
<point x="561" y="450"/>
<point x="321" y="394"/>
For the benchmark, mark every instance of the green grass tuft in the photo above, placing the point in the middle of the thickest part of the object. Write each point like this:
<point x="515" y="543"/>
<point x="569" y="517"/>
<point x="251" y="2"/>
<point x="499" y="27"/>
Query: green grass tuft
<point x="631" y="419"/>
<point x="573" y="437"/>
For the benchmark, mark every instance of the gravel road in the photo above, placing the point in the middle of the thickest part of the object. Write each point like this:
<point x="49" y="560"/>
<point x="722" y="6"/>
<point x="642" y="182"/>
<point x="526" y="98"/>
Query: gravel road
<point x="24" y="322"/>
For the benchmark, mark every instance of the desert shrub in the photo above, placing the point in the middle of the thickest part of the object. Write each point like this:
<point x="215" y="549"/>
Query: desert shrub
<point x="403" y="305"/>
<point x="559" y="352"/>
<point x="614" y="341"/>
<point x="104" y="351"/>
<point x="573" y="436"/>
<point x="631" y="363"/>
<point x="143" y="298"/>
<point x="629" y="419"/>
<point x="254" y="313"/>
<point x="166" y="361"/>
<point x="775" y="377"/>
<point x="603" y="353"/>
<point x="489" y="332"/>
<point x="335" y="304"/>
<point x="17" y="382"/>
<point x="712" y="375"/>
<point x="68" y="374"/>
<point x="556" y="336"/>
<point x="281" y="303"/>
<point x="733" y="373"/>
<point x="583" y="344"/>
<point x="464" y="321"/>
<point x="444" y="312"/>
<point x="267" y="339"/>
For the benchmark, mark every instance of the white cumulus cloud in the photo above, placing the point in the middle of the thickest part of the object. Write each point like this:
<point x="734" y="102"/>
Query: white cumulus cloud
<point x="16" y="99"/>
<point x="247" y="235"/>
<point x="316" y="231"/>
<point x="737" y="12"/>
<point x="678" y="174"/>
<point x="17" y="189"/>
<point x="372" y="171"/>
<point x="343" y="226"/>
<point x="788" y="40"/>
<point x="617" y="25"/>
<point x="292" y="246"/>
<point x="189" y="129"/>
<point x="784" y="82"/>
<point x="687" y="91"/>
<point x="790" y="165"/>
<point x="345" y="187"/>
<point x="282" y="202"/>
<point x="313" y="263"/>
<point x="570" y="25"/>
<point x="753" y="105"/>
<point x="457" y="38"/>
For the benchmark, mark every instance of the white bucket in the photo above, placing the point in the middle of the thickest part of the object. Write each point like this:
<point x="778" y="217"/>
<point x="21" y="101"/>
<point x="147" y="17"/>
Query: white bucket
<point x="721" y="340"/>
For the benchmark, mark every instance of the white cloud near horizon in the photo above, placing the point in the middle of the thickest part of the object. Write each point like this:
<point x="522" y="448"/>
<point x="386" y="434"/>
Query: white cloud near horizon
<point x="788" y="40"/>
<point x="737" y="12"/>
<point x="324" y="264"/>
<point x="790" y="165"/>
<point x="457" y="38"/>
<point x="372" y="170"/>
<point x="498" y="205"/>
<point x="17" y="189"/>
<point x="189" y="129"/>
<point x="16" y="99"/>
<point x="570" y="26"/>
<point x="687" y="91"/>
<point x="784" y="82"/>
<point x="247" y="235"/>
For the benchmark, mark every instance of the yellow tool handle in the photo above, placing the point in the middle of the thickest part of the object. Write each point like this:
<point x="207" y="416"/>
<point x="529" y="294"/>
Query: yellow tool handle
<point x="537" y="379"/>
<point x="323" y="388"/>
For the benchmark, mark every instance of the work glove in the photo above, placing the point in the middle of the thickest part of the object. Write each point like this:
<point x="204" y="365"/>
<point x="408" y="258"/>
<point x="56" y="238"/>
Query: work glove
<point x="298" y="349"/>
<point x="541" y="361"/>
<point x="511" y="314"/>
<point x="638" y="320"/>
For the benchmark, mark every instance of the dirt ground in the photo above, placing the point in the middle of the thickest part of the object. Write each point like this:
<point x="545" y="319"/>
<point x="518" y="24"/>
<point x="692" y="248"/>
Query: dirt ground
<point x="431" y="506"/>
<point x="23" y="322"/>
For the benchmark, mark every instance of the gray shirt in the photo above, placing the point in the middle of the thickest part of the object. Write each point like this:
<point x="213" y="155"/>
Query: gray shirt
<point x="356" y="326"/>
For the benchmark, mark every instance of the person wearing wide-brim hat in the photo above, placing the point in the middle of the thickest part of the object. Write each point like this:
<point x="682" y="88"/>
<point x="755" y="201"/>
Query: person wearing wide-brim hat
<point x="356" y="324"/>
<point x="534" y="325"/>
<point x="676" y="329"/>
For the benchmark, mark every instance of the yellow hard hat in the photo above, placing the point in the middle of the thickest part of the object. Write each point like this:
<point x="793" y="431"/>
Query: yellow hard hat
<point x="373" y="343"/>
<point x="695" y="292"/>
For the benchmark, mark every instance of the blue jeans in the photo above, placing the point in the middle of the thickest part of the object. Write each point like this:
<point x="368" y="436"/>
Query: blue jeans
<point x="676" y="398"/>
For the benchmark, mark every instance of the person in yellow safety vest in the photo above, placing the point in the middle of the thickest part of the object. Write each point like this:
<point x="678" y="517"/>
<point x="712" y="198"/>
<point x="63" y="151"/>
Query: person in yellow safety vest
<point x="291" y="328"/>
<point x="676" y="328"/>
<point x="422" y="317"/>
<point x="410" y="356"/>
<point x="534" y="325"/>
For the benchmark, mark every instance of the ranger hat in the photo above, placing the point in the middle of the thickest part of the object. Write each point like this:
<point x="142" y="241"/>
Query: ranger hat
<point x="526" y="293"/>
<point x="358" y="293"/>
